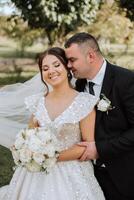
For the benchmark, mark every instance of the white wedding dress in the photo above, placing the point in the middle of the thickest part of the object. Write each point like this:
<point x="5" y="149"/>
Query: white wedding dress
<point x="70" y="180"/>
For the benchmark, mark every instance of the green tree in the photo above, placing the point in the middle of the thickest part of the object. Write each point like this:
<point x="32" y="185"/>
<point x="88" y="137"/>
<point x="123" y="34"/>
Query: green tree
<point x="15" y="28"/>
<point x="128" y="5"/>
<point x="57" y="17"/>
<point x="115" y="34"/>
<point x="112" y="25"/>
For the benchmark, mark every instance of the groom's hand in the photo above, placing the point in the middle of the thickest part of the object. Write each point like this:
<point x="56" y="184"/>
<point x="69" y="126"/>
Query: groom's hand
<point x="90" y="152"/>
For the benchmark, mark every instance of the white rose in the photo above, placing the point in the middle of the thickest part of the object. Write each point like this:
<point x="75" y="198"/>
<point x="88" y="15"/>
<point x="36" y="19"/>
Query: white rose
<point x="29" y="133"/>
<point x="44" y="135"/>
<point x="49" y="163"/>
<point x="34" y="144"/>
<point x="25" y="155"/>
<point x="103" y="105"/>
<point x="33" y="167"/>
<point x="21" y="133"/>
<point x="16" y="156"/>
<point x="19" y="142"/>
<point x="49" y="150"/>
<point x="39" y="158"/>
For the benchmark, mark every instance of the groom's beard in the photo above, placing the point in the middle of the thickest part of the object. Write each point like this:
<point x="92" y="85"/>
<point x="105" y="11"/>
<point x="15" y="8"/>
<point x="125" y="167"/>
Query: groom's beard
<point x="76" y="75"/>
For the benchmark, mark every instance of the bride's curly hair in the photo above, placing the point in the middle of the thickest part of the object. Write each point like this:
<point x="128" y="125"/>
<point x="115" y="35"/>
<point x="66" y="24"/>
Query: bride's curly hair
<point x="60" y="54"/>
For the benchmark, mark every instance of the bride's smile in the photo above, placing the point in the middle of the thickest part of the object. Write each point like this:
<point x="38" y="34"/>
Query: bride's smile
<point x="53" y="71"/>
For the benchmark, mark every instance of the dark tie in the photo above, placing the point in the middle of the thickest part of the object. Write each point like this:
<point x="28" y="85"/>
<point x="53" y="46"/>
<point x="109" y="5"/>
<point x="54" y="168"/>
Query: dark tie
<point x="91" y="89"/>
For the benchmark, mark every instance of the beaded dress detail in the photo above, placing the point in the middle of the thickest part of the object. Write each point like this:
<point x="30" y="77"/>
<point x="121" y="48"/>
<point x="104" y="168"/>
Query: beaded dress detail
<point x="70" y="180"/>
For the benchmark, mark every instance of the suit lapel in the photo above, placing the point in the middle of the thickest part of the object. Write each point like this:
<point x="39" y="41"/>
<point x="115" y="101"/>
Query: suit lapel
<point x="108" y="80"/>
<point x="106" y="87"/>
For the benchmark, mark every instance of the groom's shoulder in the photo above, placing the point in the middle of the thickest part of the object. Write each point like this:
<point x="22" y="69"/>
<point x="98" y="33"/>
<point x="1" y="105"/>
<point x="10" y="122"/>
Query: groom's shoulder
<point x="121" y="71"/>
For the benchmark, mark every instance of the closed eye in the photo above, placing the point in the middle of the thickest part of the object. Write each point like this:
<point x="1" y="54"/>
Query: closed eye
<point x="57" y="65"/>
<point x="44" y="68"/>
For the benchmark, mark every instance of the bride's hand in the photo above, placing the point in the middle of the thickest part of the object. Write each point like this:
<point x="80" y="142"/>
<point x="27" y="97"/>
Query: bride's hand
<point x="33" y="123"/>
<point x="90" y="152"/>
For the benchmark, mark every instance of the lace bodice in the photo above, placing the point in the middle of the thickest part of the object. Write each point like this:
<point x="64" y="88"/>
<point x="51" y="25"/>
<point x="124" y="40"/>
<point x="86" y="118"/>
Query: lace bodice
<point x="66" y="125"/>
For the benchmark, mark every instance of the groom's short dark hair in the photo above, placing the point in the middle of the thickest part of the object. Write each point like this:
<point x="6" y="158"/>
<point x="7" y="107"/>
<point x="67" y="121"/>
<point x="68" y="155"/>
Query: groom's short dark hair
<point x="83" y="38"/>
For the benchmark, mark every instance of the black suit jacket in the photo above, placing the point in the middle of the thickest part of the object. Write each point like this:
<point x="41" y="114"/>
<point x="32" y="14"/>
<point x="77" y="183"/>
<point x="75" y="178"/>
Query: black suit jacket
<point x="114" y="132"/>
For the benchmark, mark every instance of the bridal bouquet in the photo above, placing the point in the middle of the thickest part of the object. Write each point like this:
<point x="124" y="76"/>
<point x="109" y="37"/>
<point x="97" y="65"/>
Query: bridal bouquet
<point x="35" y="149"/>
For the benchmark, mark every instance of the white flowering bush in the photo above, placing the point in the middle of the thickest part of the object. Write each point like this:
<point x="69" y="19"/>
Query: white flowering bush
<point x="81" y="10"/>
<point x="58" y="17"/>
<point x="36" y="149"/>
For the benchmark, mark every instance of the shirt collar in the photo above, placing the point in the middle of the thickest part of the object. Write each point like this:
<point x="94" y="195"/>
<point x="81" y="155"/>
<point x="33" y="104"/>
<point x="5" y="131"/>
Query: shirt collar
<point x="98" y="79"/>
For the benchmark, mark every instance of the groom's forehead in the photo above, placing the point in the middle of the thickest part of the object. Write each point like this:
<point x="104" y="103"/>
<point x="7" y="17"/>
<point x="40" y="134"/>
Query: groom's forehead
<point x="73" y="47"/>
<point x="72" y="51"/>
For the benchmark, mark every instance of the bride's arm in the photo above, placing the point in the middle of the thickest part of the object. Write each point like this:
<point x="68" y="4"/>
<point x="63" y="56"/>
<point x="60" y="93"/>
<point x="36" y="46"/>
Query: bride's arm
<point x="87" y="130"/>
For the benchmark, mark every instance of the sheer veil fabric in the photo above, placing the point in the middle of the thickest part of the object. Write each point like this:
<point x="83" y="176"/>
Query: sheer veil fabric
<point x="13" y="113"/>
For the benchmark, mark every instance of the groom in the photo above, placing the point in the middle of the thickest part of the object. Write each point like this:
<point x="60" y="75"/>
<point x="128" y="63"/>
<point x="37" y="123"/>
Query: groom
<point x="113" y="150"/>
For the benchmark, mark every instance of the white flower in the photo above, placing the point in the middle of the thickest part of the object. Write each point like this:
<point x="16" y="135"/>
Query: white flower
<point x="16" y="156"/>
<point x="25" y="155"/>
<point x="44" y="135"/>
<point x="33" y="166"/>
<point x="70" y="1"/>
<point x="20" y="133"/>
<point x="19" y="142"/>
<point x="29" y="133"/>
<point x="39" y="158"/>
<point x="104" y="104"/>
<point x="49" y="150"/>
<point x="49" y="163"/>
<point x="34" y="144"/>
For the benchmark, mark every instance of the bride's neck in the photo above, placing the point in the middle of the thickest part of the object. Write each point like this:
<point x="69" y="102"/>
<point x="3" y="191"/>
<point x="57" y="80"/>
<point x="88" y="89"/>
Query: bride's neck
<point x="62" y="90"/>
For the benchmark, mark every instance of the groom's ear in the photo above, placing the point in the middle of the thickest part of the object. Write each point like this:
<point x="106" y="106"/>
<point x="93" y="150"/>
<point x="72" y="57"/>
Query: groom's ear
<point x="91" y="55"/>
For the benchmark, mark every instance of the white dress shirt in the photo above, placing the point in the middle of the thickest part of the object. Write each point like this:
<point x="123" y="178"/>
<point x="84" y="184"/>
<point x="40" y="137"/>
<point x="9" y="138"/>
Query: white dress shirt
<point x="98" y="80"/>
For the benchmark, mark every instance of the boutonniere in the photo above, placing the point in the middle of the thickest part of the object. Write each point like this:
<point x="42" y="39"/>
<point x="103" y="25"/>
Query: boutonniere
<point x="104" y="104"/>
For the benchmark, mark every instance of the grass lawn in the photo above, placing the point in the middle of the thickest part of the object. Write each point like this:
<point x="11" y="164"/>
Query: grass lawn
<point x="6" y="165"/>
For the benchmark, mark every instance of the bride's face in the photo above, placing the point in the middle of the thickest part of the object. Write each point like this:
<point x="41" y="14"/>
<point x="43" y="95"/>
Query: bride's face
<point x="53" y="71"/>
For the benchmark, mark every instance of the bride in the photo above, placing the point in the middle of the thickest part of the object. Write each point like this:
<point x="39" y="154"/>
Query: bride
<point x="72" y="116"/>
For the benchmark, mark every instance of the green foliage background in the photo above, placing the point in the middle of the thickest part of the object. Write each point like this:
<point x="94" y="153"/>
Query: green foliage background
<point x="6" y="166"/>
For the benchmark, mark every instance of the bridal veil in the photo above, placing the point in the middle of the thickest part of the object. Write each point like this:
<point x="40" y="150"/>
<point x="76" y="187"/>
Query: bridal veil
<point x="13" y="113"/>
